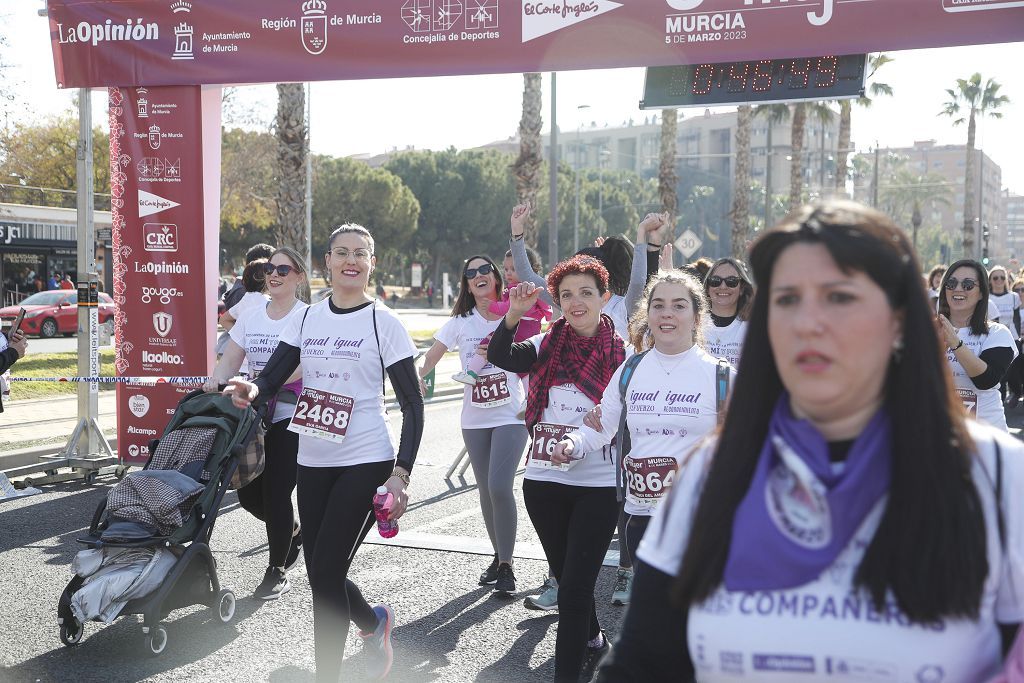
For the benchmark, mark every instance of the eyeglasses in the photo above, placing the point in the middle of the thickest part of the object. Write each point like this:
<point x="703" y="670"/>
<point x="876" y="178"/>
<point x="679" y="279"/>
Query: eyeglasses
<point x="998" y="277"/>
<point x="359" y="254"/>
<point x="282" y="269"/>
<point x="471" y="273"/>
<point x="967" y="283"/>
<point x="732" y="282"/>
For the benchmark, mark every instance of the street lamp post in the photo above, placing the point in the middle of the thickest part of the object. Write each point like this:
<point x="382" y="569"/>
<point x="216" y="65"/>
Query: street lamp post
<point x="576" y="221"/>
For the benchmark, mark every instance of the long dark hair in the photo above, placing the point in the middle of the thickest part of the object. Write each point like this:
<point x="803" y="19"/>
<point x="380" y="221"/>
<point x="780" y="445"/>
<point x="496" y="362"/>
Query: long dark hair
<point x="746" y="286"/>
<point x="929" y="549"/>
<point x="616" y="255"/>
<point x="465" y="302"/>
<point x="979" y="318"/>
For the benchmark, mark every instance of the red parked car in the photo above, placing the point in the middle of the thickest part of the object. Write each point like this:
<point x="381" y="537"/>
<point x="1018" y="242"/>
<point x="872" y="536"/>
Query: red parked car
<point x="48" y="314"/>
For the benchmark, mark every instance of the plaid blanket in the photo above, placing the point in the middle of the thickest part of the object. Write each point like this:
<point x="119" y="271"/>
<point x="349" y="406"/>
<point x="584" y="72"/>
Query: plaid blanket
<point x="158" y="498"/>
<point x="184" y="446"/>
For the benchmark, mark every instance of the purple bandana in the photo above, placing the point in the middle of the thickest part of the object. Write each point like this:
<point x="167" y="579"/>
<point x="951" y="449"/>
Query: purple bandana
<point x="798" y="513"/>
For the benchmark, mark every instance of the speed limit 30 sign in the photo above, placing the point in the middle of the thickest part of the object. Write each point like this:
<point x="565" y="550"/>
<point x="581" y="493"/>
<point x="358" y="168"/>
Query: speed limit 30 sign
<point x="688" y="243"/>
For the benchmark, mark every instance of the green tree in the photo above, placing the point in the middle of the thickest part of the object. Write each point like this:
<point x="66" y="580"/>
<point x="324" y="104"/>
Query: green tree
<point x="976" y="100"/>
<point x="875" y="62"/>
<point x="349" y="191"/>
<point x="527" y="165"/>
<point x="43" y="155"/>
<point x="291" y="131"/>
<point x="465" y="201"/>
<point x="741" y="182"/>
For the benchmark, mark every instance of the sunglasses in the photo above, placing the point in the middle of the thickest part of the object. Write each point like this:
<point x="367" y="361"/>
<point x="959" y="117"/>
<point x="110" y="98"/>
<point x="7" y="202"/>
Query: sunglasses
<point x="471" y="273"/>
<point x="967" y="283"/>
<point x="282" y="270"/>
<point x="732" y="282"/>
<point x="998" y="277"/>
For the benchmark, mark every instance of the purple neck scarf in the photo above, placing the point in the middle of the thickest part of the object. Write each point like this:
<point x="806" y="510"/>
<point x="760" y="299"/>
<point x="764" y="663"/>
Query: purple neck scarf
<point x="798" y="513"/>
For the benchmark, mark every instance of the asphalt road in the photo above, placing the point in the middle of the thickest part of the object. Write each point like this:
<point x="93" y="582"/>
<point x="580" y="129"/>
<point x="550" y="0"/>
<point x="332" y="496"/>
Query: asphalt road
<point x="449" y="628"/>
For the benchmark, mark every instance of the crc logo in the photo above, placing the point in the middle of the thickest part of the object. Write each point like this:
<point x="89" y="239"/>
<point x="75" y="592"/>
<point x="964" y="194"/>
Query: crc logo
<point x="313" y="26"/>
<point x="164" y="294"/>
<point x="163" y="357"/>
<point x="162" y="323"/>
<point x="160" y="236"/>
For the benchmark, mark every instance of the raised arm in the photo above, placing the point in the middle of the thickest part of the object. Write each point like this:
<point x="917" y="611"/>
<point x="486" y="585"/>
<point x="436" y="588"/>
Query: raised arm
<point x="519" y="259"/>
<point x="645" y="254"/>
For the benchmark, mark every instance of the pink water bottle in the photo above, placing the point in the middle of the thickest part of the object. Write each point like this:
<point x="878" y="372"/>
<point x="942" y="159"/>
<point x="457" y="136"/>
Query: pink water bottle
<point x="382" y="503"/>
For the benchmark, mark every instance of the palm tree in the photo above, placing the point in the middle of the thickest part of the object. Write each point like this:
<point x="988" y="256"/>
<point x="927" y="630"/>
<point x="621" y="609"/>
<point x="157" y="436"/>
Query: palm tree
<point x="801" y="110"/>
<point x="667" y="177"/>
<point x="773" y="114"/>
<point x="875" y="62"/>
<point x="980" y="101"/>
<point x="527" y="166"/>
<point x="290" y="128"/>
<point x="741" y="182"/>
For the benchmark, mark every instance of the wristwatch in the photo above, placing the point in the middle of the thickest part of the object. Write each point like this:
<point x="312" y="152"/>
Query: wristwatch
<point x="401" y="475"/>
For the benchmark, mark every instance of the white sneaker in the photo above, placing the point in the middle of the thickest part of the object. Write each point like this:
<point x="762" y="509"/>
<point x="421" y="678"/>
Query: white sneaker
<point x="467" y="377"/>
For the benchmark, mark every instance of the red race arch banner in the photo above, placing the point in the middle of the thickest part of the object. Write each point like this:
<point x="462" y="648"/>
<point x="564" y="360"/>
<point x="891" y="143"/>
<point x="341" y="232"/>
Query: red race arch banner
<point x="187" y="42"/>
<point x="165" y="197"/>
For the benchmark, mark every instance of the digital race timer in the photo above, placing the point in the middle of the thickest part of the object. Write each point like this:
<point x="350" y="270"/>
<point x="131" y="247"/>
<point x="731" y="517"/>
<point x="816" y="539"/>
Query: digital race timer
<point x="766" y="80"/>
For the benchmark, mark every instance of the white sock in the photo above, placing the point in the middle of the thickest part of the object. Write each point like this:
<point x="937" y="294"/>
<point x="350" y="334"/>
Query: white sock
<point x="596" y="642"/>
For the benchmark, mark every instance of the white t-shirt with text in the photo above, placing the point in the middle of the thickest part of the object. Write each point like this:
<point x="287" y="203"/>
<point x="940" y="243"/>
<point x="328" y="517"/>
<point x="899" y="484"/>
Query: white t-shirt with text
<point x="671" y="406"/>
<point x="1006" y="303"/>
<point x="340" y="355"/>
<point x="985" y="405"/>
<point x="498" y="403"/>
<point x="725" y="342"/>
<point x="824" y="630"/>
<point x="258" y="335"/>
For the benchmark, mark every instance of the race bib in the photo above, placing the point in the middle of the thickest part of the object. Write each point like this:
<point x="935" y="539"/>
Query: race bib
<point x="648" y="479"/>
<point x="491" y="391"/>
<point x="545" y="436"/>
<point x="322" y="414"/>
<point x="970" y="399"/>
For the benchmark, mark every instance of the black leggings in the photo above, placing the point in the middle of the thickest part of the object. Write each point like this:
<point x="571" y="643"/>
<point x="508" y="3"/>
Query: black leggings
<point x="268" y="497"/>
<point x="575" y="526"/>
<point x="336" y="511"/>
<point x="636" y="525"/>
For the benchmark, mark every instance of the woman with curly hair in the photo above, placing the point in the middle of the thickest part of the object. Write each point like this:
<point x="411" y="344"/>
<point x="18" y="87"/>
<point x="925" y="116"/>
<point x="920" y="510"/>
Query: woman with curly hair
<point x="571" y="500"/>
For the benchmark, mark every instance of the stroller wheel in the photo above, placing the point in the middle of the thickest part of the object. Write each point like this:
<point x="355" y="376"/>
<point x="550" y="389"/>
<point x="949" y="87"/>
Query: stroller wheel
<point x="71" y="632"/>
<point x="156" y="641"/>
<point x="226" y="605"/>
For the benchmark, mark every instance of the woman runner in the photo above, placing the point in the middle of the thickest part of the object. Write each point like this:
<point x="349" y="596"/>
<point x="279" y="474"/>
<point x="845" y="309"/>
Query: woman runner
<point x="346" y="345"/>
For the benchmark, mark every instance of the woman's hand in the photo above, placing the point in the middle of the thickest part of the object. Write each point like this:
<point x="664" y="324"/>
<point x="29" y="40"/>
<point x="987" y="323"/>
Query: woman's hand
<point x="520" y="214"/>
<point x="648" y="229"/>
<point x="19" y="342"/>
<point x="242" y="393"/>
<point x="562" y="452"/>
<point x="211" y="386"/>
<point x="665" y="260"/>
<point x="397" y="487"/>
<point x="947" y="333"/>
<point x="593" y="419"/>
<point x="521" y="299"/>
<point x="481" y="349"/>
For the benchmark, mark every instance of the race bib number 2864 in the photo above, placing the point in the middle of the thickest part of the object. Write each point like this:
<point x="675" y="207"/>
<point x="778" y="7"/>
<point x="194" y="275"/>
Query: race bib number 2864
<point x="322" y="414"/>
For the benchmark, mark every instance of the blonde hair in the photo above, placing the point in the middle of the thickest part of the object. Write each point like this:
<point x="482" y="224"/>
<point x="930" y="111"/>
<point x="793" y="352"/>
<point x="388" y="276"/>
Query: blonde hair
<point x="299" y="263"/>
<point x="639" y="327"/>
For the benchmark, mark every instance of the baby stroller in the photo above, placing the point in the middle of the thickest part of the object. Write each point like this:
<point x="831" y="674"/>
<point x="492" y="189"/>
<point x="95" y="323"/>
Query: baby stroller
<point x="148" y="547"/>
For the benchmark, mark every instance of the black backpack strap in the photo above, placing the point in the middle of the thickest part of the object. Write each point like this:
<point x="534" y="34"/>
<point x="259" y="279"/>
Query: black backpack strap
<point x="721" y="388"/>
<point x="622" y="436"/>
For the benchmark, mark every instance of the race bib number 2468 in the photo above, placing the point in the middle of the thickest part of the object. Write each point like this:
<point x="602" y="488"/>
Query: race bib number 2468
<point x="322" y="414"/>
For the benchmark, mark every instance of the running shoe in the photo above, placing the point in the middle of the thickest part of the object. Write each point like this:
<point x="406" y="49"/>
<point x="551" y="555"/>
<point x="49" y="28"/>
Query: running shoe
<point x="506" y="581"/>
<point x="377" y="644"/>
<point x="467" y="377"/>
<point x="623" y="586"/>
<point x="274" y="585"/>
<point x="294" y="551"/>
<point x="593" y="658"/>
<point x="548" y="598"/>
<point x="490" y="574"/>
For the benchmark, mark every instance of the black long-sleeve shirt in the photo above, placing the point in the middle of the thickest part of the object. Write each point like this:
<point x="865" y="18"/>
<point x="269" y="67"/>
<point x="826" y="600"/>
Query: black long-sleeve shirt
<point x="998" y="359"/>
<point x="403" y="376"/>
